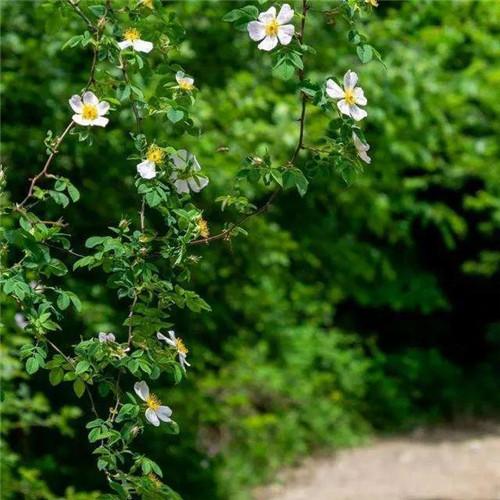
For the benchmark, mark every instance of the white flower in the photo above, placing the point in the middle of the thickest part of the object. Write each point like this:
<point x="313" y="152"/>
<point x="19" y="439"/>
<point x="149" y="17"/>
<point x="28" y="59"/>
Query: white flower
<point x="37" y="287"/>
<point x="361" y="148"/>
<point x="89" y="111"/>
<point x="178" y="344"/>
<point x="155" y="411"/>
<point x="20" y="321"/>
<point x="185" y="82"/>
<point x="350" y="96"/>
<point x="133" y="39"/>
<point x="147" y="168"/>
<point x="106" y="337"/>
<point x="271" y="28"/>
<point x="184" y="176"/>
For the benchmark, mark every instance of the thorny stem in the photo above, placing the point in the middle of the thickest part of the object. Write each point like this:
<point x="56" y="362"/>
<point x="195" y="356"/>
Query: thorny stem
<point x="226" y="234"/>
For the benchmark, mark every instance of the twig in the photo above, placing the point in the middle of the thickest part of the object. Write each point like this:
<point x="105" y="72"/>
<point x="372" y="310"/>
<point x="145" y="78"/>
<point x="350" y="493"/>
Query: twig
<point x="79" y="11"/>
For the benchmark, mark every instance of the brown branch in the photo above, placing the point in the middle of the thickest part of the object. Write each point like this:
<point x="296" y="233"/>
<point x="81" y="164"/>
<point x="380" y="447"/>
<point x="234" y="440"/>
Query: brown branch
<point x="79" y="11"/>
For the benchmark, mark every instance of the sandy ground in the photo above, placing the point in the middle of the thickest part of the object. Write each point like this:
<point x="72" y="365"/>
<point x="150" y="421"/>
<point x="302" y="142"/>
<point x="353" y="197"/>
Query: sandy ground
<point x="441" y="464"/>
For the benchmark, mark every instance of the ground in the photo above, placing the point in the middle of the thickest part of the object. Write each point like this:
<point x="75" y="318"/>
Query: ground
<point x="442" y="464"/>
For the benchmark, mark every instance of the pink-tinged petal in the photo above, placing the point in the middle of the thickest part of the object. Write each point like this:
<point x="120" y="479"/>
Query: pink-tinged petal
<point x="103" y="107"/>
<point x="344" y="107"/>
<point x="350" y="79"/>
<point x="269" y="15"/>
<point x="285" y="33"/>
<point x="90" y="98"/>
<point x="285" y="15"/>
<point x="181" y="186"/>
<point x="164" y="413"/>
<point x="100" y="122"/>
<point x="142" y="390"/>
<point x="197" y="183"/>
<point x="256" y="31"/>
<point x="152" y="418"/>
<point x="268" y="43"/>
<point x="357" y="113"/>
<point x="359" y="96"/>
<point x="76" y="103"/>
<point x="80" y="120"/>
<point x="146" y="169"/>
<point x="125" y="44"/>
<point x="142" y="46"/>
<point x="334" y="90"/>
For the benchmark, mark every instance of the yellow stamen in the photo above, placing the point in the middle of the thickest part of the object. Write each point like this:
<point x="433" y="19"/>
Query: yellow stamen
<point x="132" y="34"/>
<point x="89" y="112"/>
<point x="271" y="28"/>
<point x="349" y="96"/>
<point x="154" y="479"/>
<point x="185" y="85"/>
<point x="155" y="154"/>
<point x="153" y="402"/>
<point x="148" y="3"/>
<point x="181" y="348"/>
<point x="203" y="227"/>
<point x="374" y="3"/>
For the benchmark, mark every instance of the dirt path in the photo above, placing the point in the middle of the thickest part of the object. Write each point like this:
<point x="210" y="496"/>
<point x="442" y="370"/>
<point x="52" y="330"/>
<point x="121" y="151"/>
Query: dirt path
<point x="445" y="464"/>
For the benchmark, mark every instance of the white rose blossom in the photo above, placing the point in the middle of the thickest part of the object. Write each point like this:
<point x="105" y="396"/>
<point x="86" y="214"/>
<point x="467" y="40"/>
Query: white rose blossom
<point x="184" y="175"/>
<point x="106" y="337"/>
<point x="270" y="28"/>
<point x="20" y="321"/>
<point x="361" y="148"/>
<point x="132" y="38"/>
<point x="88" y="110"/>
<point x="147" y="168"/>
<point x="185" y="82"/>
<point x="177" y="344"/>
<point x="154" y="411"/>
<point x="349" y="97"/>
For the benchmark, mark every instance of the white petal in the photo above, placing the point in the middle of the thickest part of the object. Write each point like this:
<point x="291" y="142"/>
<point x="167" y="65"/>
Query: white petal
<point x="256" y="30"/>
<point x="359" y="144"/>
<point x="103" y="108"/>
<point x="181" y="186"/>
<point x="90" y="98"/>
<point x="357" y="113"/>
<point x="285" y="33"/>
<point x="350" y="79"/>
<point x="334" y="90"/>
<point x="152" y="418"/>
<point x="125" y="44"/>
<point x="142" y="390"/>
<point x="197" y="183"/>
<point x="160" y="336"/>
<point x="20" y="321"/>
<point x="80" y="120"/>
<point x="183" y="362"/>
<point x="189" y="80"/>
<point x="268" y="43"/>
<point x="146" y="169"/>
<point x="164" y="413"/>
<point x="364" y="156"/>
<point x="344" y="107"/>
<point x="111" y="337"/>
<point x="285" y="14"/>
<point x="102" y="336"/>
<point x="76" y="103"/>
<point x="267" y="16"/>
<point x="100" y="122"/>
<point x="359" y="96"/>
<point x="142" y="46"/>
<point x="179" y="159"/>
<point x="171" y="333"/>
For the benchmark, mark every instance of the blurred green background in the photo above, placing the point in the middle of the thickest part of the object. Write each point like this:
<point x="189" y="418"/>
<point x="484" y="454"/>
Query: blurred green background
<point x="365" y="307"/>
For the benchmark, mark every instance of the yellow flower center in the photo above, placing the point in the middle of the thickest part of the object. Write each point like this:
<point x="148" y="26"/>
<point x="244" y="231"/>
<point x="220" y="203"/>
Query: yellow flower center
<point x="132" y="34"/>
<point x="148" y="3"/>
<point x="271" y="28"/>
<point x="181" y="348"/>
<point x="185" y="85"/>
<point x="374" y="3"/>
<point x="203" y="228"/>
<point x="89" y="112"/>
<point x="349" y="96"/>
<point x="153" y="402"/>
<point x="155" y="154"/>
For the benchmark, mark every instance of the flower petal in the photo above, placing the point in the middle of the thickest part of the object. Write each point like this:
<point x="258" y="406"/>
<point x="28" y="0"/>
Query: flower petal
<point x="285" y="14"/>
<point x="146" y="169"/>
<point x="80" y="120"/>
<point x="285" y="33"/>
<point x="197" y="183"/>
<point x="103" y="107"/>
<point x="171" y="334"/>
<point x="164" y="413"/>
<point x="181" y="186"/>
<point x="151" y="417"/>
<point x="334" y="90"/>
<point x="169" y="341"/>
<point x="142" y="46"/>
<point x="357" y="113"/>
<point x="100" y="122"/>
<point x="256" y="30"/>
<point x="350" y="79"/>
<point x="90" y="98"/>
<point x="179" y="159"/>
<point x="344" y="107"/>
<point x="76" y="103"/>
<point x="364" y="156"/>
<point x="142" y="390"/>
<point x="125" y="44"/>
<point x="359" y="96"/>
<point x="268" y="43"/>
<point x="267" y="16"/>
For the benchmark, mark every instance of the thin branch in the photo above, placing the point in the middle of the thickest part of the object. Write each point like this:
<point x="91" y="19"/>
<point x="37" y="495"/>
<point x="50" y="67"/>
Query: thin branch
<point x="79" y="11"/>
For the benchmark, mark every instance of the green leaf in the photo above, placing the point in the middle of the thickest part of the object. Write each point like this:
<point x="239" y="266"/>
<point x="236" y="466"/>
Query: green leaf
<point x="82" y="367"/>
<point x="32" y="365"/>
<point x="55" y="376"/>
<point x="63" y="301"/>
<point x="175" y="115"/>
<point x="365" y="53"/>
<point x="79" y="387"/>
